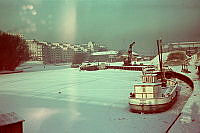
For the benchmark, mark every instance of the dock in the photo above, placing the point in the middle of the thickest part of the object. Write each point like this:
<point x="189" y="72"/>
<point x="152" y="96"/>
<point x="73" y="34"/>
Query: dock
<point x="131" y="68"/>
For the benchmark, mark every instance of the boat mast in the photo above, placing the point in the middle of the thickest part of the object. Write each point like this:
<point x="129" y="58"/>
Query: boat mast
<point x="160" y="58"/>
<point x="161" y="64"/>
<point x="158" y="51"/>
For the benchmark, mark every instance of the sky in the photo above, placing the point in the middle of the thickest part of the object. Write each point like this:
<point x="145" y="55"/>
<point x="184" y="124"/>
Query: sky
<point x="113" y="23"/>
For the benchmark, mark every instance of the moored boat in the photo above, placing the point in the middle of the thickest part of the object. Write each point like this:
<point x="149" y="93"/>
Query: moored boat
<point x="89" y="67"/>
<point x="153" y="95"/>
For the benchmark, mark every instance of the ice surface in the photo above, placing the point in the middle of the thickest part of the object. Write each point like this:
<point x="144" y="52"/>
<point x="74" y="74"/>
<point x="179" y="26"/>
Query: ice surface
<point x="69" y="100"/>
<point x="155" y="61"/>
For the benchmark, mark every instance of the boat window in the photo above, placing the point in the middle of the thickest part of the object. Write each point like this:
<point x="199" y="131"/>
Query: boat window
<point x="143" y="89"/>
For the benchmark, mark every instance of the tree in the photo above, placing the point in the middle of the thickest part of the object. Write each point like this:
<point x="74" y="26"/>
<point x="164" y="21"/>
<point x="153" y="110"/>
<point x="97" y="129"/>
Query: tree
<point x="177" y="55"/>
<point x="13" y="51"/>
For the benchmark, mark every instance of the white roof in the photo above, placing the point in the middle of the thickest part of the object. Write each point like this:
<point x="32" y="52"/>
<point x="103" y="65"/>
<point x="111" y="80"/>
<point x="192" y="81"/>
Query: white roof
<point x="105" y="53"/>
<point x="133" y="53"/>
<point x="179" y="43"/>
<point x="43" y="42"/>
<point x="139" y="57"/>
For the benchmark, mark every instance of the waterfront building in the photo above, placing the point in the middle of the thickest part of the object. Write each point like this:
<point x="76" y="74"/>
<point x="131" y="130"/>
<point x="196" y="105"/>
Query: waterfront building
<point x="40" y="51"/>
<point x="134" y="56"/>
<point x="56" y="53"/>
<point x="69" y="53"/>
<point x="64" y="52"/>
<point x="61" y="52"/>
<point x="105" y="56"/>
<point x="16" y="34"/>
<point x="189" y="47"/>
<point x="92" y="47"/>
<point x="36" y="49"/>
<point x="32" y="44"/>
<point x="46" y="53"/>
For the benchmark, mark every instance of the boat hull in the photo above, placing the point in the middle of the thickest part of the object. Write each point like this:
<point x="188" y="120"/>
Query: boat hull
<point x="156" y="108"/>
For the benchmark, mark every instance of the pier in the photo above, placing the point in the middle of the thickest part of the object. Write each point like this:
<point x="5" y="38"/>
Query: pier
<point x="189" y="118"/>
<point x="132" y="68"/>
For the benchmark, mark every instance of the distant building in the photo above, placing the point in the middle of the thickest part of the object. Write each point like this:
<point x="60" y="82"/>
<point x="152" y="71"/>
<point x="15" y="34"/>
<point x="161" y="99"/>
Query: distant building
<point x="64" y="52"/>
<point x="56" y="53"/>
<point x="40" y="51"/>
<point x="105" y="56"/>
<point x="32" y="44"/>
<point x="36" y="50"/>
<point x="125" y="56"/>
<point x="46" y="53"/>
<point x="92" y="47"/>
<point x="60" y="52"/>
<point x="69" y="53"/>
<point x="16" y="34"/>
<point x="189" y="47"/>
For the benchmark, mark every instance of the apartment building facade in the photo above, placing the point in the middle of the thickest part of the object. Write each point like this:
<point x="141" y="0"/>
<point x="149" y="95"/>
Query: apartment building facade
<point x="52" y="53"/>
<point x="32" y="44"/>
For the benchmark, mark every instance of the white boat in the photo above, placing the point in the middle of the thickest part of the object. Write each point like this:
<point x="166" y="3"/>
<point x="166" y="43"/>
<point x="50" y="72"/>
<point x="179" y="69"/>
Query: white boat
<point x="153" y="94"/>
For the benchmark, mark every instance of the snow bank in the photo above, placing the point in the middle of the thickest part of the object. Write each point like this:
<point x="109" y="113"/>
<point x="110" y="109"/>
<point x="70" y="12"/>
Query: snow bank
<point x="116" y="64"/>
<point x="155" y="61"/>
<point x="34" y="62"/>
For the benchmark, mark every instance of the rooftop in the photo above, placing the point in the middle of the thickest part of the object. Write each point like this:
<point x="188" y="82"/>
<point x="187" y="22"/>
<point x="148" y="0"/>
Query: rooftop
<point x="105" y="53"/>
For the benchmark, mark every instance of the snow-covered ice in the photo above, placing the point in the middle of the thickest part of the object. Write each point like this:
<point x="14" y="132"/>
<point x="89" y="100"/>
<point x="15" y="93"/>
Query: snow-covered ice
<point x="189" y="121"/>
<point x="69" y="100"/>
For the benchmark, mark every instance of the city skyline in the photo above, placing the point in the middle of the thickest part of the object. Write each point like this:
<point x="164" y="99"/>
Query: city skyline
<point x="112" y="23"/>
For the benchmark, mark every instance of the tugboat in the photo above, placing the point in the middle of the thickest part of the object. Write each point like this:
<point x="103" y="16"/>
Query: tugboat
<point x="155" y="93"/>
<point x="152" y="94"/>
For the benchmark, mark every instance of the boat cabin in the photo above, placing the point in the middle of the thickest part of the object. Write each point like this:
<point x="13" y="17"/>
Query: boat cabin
<point x="150" y="78"/>
<point x="147" y="90"/>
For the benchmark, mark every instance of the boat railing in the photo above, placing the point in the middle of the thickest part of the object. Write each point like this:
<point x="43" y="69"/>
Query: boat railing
<point x="167" y="91"/>
<point x="150" y="98"/>
<point x="174" y="89"/>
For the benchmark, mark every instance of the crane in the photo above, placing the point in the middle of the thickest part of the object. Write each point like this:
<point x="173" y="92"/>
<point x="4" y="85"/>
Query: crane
<point x="127" y="62"/>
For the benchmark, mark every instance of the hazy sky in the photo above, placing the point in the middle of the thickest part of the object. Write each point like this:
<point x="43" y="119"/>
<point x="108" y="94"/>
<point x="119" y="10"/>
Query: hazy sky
<point x="115" y="23"/>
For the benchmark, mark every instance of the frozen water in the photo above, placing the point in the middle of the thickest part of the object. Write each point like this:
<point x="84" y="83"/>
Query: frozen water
<point x="69" y="100"/>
